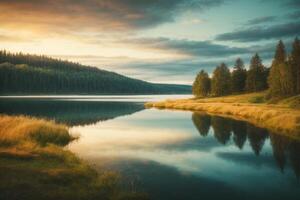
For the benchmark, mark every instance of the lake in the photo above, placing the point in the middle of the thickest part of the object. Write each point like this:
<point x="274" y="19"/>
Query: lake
<point x="172" y="154"/>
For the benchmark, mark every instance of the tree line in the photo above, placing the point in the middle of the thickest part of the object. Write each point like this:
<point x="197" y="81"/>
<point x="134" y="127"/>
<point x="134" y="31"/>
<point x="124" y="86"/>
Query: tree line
<point x="33" y="74"/>
<point x="281" y="79"/>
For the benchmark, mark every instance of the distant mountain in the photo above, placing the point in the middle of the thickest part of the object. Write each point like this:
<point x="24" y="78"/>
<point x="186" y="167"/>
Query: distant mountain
<point x="33" y="74"/>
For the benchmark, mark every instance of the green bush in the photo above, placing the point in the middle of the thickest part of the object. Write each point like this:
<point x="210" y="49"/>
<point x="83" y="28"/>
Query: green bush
<point x="257" y="99"/>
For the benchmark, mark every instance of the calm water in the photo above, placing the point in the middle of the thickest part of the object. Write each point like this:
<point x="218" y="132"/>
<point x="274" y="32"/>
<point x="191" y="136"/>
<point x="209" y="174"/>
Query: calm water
<point x="173" y="154"/>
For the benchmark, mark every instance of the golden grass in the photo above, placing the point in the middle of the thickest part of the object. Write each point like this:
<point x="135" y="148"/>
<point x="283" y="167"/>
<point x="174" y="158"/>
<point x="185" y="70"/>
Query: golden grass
<point x="279" y="117"/>
<point x="33" y="165"/>
<point x="241" y="98"/>
<point x="18" y="129"/>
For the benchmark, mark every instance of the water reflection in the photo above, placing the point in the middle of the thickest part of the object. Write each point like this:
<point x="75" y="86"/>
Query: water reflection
<point x="202" y="123"/>
<point x="285" y="150"/>
<point x="72" y="113"/>
<point x="283" y="147"/>
<point x="239" y="130"/>
<point x="176" y="154"/>
<point x="222" y="128"/>
<point x="173" y="157"/>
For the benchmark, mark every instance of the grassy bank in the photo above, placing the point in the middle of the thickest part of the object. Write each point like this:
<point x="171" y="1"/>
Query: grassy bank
<point x="281" y="115"/>
<point x="19" y="130"/>
<point x="34" y="165"/>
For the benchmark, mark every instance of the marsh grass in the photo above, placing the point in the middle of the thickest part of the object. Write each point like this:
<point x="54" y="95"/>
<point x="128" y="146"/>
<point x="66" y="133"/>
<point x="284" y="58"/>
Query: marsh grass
<point x="34" y="165"/>
<point x="292" y="102"/>
<point x="19" y="129"/>
<point x="282" y="116"/>
<point x="257" y="99"/>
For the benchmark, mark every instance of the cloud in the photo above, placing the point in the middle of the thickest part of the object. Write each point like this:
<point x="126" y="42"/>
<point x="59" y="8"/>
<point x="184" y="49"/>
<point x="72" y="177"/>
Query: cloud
<point x="171" y="70"/>
<point x="261" y="20"/>
<point x="294" y="15"/>
<point x="176" y="71"/>
<point x="257" y="33"/>
<point x="4" y="37"/>
<point x="74" y="15"/>
<point x="154" y="70"/>
<point x="186" y="47"/>
<point x="293" y="3"/>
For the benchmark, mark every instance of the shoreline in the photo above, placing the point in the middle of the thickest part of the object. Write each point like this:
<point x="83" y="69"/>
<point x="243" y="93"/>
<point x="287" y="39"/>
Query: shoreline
<point x="276" y="118"/>
<point x="33" y="153"/>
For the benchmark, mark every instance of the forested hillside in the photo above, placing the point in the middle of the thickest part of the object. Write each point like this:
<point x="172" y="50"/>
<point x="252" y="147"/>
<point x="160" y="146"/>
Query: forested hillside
<point x="32" y="74"/>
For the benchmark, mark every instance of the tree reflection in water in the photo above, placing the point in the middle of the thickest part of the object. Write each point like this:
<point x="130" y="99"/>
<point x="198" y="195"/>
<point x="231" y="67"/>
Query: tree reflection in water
<point x="285" y="150"/>
<point x="202" y="123"/>
<point x="222" y="128"/>
<point x="69" y="112"/>
<point x="256" y="137"/>
<point x="239" y="129"/>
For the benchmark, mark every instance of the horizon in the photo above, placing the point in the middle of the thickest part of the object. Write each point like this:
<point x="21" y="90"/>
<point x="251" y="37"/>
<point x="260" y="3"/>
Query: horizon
<point x="156" y="41"/>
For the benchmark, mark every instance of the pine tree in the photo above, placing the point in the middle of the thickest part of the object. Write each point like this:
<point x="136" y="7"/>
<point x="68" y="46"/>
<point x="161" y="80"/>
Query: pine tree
<point x="196" y="86"/>
<point x="281" y="79"/>
<point x="201" y="86"/>
<point x="280" y="54"/>
<point x="256" y="76"/>
<point x="238" y="77"/>
<point x="295" y="63"/>
<point x="221" y="81"/>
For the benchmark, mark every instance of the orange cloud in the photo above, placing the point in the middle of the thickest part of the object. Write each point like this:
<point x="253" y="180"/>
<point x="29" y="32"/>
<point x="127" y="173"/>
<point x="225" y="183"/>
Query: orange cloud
<point x="96" y="15"/>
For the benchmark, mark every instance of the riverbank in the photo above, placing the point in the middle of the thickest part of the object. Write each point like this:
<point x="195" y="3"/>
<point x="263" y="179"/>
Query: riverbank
<point x="35" y="165"/>
<point x="281" y="116"/>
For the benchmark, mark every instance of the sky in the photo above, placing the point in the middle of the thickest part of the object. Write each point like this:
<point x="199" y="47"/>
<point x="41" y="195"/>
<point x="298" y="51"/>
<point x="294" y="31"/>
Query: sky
<point x="163" y="41"/>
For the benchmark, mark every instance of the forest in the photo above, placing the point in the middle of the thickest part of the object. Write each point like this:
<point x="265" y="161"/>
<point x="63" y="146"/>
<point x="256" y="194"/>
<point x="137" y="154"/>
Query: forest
<point x="33" y="74"/>
<point x="281" y="79"/>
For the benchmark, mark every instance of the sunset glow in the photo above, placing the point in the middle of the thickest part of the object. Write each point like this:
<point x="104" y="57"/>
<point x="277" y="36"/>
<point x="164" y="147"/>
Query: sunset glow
<point x="148" y="40"/>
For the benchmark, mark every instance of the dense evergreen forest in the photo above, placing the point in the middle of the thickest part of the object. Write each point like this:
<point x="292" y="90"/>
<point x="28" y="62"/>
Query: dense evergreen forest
<point x="281" y="79"/>
<point x="32" y="74"/>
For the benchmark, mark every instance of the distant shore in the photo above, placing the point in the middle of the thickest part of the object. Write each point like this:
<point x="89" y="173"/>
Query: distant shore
<point x="282" y="117"/>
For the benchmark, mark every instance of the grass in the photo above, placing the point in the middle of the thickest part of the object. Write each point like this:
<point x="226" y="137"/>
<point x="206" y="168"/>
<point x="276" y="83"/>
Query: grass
<point x="292" y="102"/>
<point x="281" y="116"/>
<point x="243" y="98"/>
<point x="34" y="165"/>
<point x="20" y="129"/>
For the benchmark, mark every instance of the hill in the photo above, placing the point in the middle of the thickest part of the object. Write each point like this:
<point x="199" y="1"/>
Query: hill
<point x="33" y="74"/>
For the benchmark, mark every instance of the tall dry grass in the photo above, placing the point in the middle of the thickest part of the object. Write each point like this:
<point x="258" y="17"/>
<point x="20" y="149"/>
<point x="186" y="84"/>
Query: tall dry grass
<point x="279" y="118"/>
<point x="19" y="129"/>
<point x="34" y="166"/>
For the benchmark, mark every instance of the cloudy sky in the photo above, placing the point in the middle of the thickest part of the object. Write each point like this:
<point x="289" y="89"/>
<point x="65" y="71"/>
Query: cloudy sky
<point x="156" y="40"/>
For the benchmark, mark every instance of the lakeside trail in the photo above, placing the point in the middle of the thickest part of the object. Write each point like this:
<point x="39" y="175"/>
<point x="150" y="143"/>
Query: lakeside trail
<point x="282" y="117"/>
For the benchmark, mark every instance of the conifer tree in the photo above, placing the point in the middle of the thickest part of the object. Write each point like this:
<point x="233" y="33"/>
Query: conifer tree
<point x="201" y="86"/>
<point x="295" y="63"/>
<point x="256" y="75"/>
<point x="280" y="53"/>
<point x="281" y="80"/>
<point x="238" y="77"/>
<point x="221" y="81"/>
